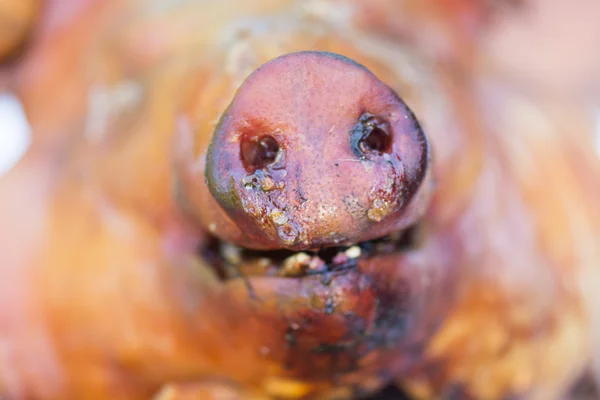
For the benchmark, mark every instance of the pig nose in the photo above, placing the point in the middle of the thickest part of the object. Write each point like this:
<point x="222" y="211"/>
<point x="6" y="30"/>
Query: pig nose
<point x="272" y="169"/>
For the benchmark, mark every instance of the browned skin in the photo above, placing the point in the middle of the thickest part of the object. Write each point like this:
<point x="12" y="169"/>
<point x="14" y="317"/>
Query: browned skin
<point x="110" y="291"/>
<point x="338" y="332"/>
<point x="315" y="151"/>
<point x="17" y="20"/>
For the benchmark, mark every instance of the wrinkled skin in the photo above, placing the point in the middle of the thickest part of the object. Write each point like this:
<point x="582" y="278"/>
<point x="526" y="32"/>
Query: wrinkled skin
<point x="110" y="296"/>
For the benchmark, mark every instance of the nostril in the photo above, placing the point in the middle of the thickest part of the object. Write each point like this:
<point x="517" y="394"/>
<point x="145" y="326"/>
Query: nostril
<point x="371" y="135"/>
<point x="377" y="140"/>
<point x="258" y="151"/>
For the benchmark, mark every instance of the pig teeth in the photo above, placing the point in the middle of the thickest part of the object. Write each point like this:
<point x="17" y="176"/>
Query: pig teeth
<point x="231" y="253"/>
<point x="353" y="252"/>
<point x="295" y="265"/>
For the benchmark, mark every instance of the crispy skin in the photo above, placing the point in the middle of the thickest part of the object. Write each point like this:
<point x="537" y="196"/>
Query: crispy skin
<point x="108" y="299"/>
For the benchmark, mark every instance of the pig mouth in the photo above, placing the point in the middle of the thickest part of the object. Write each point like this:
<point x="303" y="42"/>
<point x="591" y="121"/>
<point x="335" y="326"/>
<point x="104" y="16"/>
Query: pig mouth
<point x="233" y="262"/>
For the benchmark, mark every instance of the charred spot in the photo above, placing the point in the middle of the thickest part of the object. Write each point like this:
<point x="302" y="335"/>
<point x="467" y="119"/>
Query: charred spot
<point x="306" y="353"/>
<point x="458" y="391"/>
<point x="389" y="393"/>
<point x="391" y="315"/>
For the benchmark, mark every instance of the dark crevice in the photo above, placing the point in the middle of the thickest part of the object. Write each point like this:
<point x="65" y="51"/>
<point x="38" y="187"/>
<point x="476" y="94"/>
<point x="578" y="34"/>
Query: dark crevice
<point x="230" y="262"/>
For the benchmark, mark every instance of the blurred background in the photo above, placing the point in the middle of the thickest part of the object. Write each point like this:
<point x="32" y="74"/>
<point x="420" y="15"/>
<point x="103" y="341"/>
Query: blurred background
<point x="547" y="50"/>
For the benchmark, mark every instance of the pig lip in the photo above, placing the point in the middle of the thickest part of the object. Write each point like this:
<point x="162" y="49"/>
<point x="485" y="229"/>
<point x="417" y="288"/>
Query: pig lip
<point x="232" y="262"/>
